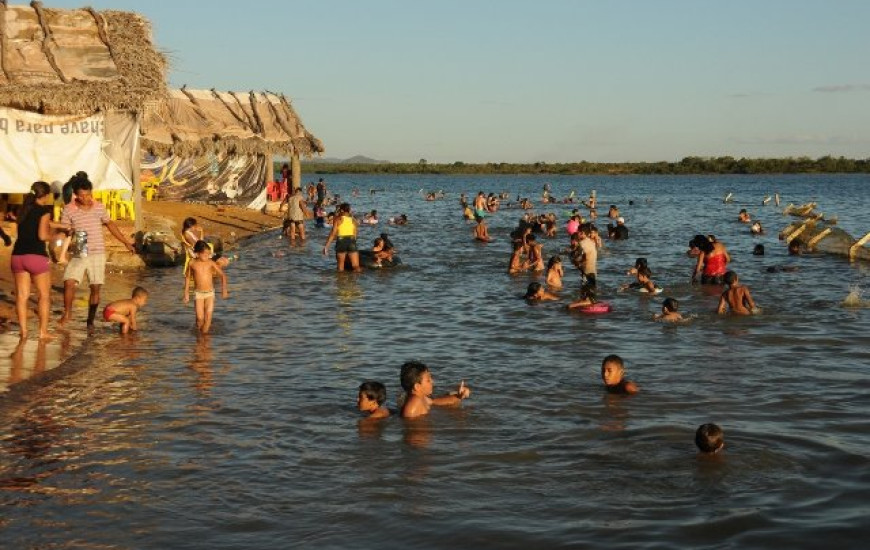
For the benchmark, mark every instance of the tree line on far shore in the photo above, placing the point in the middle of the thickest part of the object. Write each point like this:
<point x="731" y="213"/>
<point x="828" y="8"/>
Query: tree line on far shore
<point x="688" y="165"/>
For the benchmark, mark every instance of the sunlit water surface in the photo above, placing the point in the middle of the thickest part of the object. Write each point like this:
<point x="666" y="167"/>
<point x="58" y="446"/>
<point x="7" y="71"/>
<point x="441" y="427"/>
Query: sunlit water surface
<point x="249" y="438"/>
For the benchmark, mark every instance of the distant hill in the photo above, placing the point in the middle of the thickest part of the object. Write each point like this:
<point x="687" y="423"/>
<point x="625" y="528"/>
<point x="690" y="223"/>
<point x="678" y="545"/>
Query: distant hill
<point x="357" y="159"/>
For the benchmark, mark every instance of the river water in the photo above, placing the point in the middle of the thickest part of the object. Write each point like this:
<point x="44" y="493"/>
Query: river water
<point x="249" y="438"/>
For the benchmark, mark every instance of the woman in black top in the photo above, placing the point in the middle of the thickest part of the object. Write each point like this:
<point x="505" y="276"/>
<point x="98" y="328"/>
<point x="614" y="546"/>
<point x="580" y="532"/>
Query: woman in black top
<point x="29" y="256"/>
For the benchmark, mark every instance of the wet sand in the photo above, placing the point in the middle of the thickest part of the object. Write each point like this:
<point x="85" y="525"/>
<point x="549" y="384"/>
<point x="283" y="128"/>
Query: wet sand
<point x="18" y="363"/>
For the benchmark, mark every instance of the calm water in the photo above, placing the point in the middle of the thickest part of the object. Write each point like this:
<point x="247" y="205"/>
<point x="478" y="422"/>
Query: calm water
<point x="249" y="438"/>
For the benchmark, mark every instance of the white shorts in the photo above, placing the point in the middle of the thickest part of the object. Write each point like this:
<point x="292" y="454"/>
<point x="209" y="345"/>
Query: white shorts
<point x="93" y="264"/>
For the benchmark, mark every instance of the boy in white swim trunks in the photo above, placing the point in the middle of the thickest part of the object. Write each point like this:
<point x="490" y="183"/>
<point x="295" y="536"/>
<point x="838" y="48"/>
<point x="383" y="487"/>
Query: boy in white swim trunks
<point x="203" y="269"/>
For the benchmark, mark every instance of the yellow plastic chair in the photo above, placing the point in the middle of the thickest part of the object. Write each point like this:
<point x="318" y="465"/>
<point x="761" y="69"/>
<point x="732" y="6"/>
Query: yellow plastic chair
<point x="123" y="203"/>
<point x="151" y="188"/>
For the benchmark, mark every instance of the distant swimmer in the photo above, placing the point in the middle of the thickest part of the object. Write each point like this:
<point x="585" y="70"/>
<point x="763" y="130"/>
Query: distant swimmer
<point x="669" y="312"/>
<point x="765" y="200"/>
<point x="536" y="293"/>
<point x="709" y="438"/>
<point x="728" y="198"/>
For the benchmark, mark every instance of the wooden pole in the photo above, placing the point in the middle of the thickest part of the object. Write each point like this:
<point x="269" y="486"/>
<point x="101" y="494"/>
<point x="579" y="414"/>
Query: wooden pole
<point x="853" y="250"/>
<point x="296" y="171"/>
<point x="136" y="179"/>
<point x="270" y="169"/>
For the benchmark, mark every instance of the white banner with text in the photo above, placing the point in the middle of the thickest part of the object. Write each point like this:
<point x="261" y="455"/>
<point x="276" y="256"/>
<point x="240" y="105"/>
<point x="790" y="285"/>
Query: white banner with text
<point x="51" y="148"/>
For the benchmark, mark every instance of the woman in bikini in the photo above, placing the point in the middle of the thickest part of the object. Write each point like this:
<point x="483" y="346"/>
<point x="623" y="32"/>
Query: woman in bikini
<point x="712" y="262"/>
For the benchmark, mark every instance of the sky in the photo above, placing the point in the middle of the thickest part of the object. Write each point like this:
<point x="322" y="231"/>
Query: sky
<point x="543" y="81"/>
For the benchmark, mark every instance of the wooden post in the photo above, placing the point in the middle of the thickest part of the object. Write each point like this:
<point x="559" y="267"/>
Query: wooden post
<point x="136" y="179"/>
<point x="858" y="244"/>
<point x="270" y="169"/>
<point x="812" y="242"/>
<point x="296" y="171"/>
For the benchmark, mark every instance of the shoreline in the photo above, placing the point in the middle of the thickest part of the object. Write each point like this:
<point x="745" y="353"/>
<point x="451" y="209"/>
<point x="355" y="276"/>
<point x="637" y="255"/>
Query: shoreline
<point x="35" y="361"/>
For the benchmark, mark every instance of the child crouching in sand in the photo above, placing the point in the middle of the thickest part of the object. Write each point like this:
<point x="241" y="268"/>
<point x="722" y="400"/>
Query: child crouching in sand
<point x="203" y="269"/>
<point x="417" y="382"/>
<point x="124" y="311"/>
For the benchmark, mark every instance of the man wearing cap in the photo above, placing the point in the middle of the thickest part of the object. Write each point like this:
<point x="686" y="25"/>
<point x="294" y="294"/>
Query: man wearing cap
<point x="618" y="232"/>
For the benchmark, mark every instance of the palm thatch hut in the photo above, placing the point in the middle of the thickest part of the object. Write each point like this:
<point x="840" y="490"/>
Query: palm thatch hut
<point x="212" y="146"/>
<point x="73" y="84"/>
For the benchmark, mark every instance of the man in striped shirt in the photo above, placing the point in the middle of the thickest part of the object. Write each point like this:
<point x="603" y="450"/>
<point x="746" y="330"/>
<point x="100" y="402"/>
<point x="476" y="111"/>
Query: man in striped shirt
<point x="83" y="213"/>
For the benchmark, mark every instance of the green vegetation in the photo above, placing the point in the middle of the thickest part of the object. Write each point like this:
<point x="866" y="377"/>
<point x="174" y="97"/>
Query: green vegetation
<point x="689" y="165"/>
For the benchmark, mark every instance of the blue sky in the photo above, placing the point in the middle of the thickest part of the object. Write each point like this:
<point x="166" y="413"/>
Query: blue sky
<point x="551" y="81"/>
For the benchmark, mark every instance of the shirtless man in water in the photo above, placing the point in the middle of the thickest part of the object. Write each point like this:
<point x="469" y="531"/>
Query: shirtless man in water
<point x="417" y="382"/>
<point x="736" y="297"/>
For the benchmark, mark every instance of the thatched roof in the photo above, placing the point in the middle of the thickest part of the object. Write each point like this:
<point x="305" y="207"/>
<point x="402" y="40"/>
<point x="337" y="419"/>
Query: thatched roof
<point x="195" y="122"/>
<point x="77" y="61"/>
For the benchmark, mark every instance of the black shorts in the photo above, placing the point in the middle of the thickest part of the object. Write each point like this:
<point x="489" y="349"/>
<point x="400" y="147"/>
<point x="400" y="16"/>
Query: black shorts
<point x="590" y="279"/>
<point x="345" y="244"/>
<point x="712" y="279"/>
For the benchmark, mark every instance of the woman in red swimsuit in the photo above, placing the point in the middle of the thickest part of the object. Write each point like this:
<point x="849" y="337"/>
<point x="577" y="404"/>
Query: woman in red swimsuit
<point x="712" y="262"/>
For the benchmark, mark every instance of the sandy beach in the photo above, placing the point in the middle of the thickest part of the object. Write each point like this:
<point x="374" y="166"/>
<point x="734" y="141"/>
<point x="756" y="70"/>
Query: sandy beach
<point x="227" y="222"/>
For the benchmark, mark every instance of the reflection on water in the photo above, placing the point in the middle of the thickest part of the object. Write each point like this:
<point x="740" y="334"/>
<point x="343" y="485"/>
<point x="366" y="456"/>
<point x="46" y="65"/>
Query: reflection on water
<point x="248" y="436"/>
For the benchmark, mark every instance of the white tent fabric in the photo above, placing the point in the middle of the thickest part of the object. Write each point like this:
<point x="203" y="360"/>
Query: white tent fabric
<point x="54" y="147"/>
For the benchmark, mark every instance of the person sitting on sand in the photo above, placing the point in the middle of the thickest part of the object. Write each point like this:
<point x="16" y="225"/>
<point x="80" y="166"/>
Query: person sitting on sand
<point x="124" y="311"/>
<point x="736" y="297"/>
<point x="536" y="293"/>
<point x="554" y="272"/>
<point x="613" y="374"/>
<point x="481" y="232"/>
<point x="416" y="380"/>
<point x="669" y="312"/>
<point x="709" y="438"/>
<point x="371" y="398"/>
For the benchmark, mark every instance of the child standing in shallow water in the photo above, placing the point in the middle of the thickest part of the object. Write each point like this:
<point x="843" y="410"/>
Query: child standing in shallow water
<point x="736" y="297"/>
<point x="203" y="269"/>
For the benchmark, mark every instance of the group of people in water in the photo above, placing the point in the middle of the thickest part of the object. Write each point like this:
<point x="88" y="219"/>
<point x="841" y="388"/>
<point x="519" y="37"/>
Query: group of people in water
<point x="711" y="267"/>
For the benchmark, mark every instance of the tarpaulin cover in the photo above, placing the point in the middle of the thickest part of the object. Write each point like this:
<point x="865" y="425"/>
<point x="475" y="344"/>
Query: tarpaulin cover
<point x="214" y="177"/>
